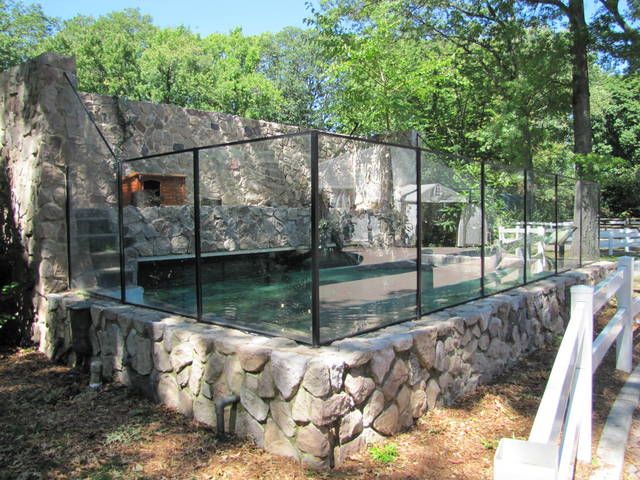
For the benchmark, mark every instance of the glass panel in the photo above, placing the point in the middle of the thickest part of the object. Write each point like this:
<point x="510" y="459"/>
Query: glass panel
<point x="451" y="231"/>
<point x="93" y="225"/>
<point x="568" y="228"/>
<point x="157" y="199"/>
<point x="368" y="252"/>
<point x="541" y="225"/>
<point x="504" y="210"/>
<point x="589" y="220"/>
<point x="255" y="208"/>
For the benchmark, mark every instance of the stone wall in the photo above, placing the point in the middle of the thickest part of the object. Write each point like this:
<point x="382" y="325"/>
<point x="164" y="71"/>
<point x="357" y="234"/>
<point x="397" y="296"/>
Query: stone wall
<point x="319" y="405"/>
<point x="44" y="129"/>
<point x="39" y="132"/>
<point x="169" y="230"/>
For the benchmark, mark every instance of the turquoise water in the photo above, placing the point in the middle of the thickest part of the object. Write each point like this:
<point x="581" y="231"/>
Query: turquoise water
<point x="279" y="302"/>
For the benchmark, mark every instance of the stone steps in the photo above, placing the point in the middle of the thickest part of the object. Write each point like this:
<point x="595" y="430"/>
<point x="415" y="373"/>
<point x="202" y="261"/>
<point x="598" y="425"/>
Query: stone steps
<point x="88" y="226"/>
<point x="110" y="277"/>
<point x="105" y="259"/>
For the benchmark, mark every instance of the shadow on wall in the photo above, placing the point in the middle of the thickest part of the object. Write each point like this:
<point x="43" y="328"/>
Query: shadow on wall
<point x="16" y="282"/>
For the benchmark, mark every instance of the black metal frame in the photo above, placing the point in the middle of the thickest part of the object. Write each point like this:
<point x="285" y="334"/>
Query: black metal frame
<point x="314" y="155"/>
<point x="315" y="242"/>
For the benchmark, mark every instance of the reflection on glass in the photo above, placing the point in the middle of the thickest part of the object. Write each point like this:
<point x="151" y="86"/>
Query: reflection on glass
<point x="451" y="231"/>
<point x="255" y="216"/>
<point x="589" y="220"/>
<point x="368" y="274"/>
<point x="93" y="228"/>
<point x="504" y="210"/>
<point x="159" y="253"/>
<point x="541" y="225"/>
<point x="568" y="227"/>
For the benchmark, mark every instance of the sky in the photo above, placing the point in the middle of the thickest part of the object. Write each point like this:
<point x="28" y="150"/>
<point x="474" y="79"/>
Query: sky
<point x="205" y="16"/>
<point x="201" y="16"/>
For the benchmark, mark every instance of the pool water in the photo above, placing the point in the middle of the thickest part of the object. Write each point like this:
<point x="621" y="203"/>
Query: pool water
<point x="273" y="296"/>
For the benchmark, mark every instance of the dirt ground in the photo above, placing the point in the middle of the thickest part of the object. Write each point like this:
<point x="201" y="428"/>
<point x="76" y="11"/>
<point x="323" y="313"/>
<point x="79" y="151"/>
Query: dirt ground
<point x="52" y="426"/>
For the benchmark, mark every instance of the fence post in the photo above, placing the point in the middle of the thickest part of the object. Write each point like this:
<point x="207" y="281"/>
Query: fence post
<point x="624" y="342"/>
<point x="583" y="294"/>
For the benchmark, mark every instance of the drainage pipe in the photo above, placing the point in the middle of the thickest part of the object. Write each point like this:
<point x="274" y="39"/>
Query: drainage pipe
<point x="221" y="404"/>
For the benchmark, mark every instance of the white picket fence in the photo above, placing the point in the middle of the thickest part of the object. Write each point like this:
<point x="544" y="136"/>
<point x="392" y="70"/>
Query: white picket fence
<point x="561" y="430"/>
<point x="619" y="238"/>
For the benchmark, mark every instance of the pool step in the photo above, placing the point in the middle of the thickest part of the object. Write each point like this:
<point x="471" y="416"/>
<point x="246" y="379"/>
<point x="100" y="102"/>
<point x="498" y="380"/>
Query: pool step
<point x="105" y="259"/>
<point x="110" y="277"/>
<point x="88" y="226"/>
<point x="97" y="242"/>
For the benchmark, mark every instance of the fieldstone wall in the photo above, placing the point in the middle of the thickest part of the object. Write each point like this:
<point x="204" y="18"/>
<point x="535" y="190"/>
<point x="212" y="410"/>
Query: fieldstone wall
<point x="44" y="130"/>
<point x="319" y="405"/>
<point x="39" y="132"/>
<point x="169" y="230"/>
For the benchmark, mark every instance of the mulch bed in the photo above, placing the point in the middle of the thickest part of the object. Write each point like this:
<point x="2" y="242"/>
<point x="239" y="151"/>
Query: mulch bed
<point x="52" y="426"/>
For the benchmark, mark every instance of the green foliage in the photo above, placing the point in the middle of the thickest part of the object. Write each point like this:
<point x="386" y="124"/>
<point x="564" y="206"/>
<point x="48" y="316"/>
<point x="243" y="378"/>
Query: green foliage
<point x="489" y="443"/>
<point x="616" y="34"/>
<point x="290" y="60"/>
<point x="487" y="80"/>
<point x="387" y="453"/>
<point x="124" y="435"/>
<point x="22" y="29"/>
<point x="107" y="50"/>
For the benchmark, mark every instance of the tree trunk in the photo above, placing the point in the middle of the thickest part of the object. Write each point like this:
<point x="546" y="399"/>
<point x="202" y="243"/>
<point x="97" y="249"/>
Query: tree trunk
<point x="586" y="200"/>
<point x="582" y="137"/>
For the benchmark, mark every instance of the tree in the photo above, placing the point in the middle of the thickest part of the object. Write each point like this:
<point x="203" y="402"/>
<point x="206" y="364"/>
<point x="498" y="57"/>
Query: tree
<point x="173" y="69"/>
<point x="471" y="84"/>
<point x="290" y="59"/>
<point x="22" y="30"/>
<point x="236" y="84"/>
<point x="615" y="29"/>
<point x="107" y="50"/>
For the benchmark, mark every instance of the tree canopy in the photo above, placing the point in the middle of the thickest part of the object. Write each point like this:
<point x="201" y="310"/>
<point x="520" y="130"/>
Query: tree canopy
<point x="523" y="82"/>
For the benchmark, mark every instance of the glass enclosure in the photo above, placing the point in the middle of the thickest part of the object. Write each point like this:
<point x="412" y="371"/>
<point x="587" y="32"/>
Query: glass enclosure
<point x="569" y="224"/>
<point x="316" y="236"/>
<point x="255" y="235"/>
<point x="451" y="230"/>
<point x="541" y="225"/>
<point x="92" y="219"/>
<point x="158" y="220"/>
<point x="367" y="236"/>
<point x="504" y="250"/>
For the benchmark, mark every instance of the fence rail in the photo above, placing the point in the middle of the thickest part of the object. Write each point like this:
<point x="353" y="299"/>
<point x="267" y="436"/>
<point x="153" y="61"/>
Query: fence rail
<point x="561" y="431"/>
<point x="626" y="238"/>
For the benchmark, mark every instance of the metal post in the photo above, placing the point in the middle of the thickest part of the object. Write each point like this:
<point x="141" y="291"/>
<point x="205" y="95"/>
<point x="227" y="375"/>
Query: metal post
<point x="67" y="185"/>
<point x="196" y="231"/>
<point x="583" y="294"/>
<point x="525" y="253"/>
<point x="483" y="233"/>
<point x="624" y="295"/>
<point x="598" y="220"/>
<point x="315" y="243"/>
<point x="123" y="286"/>
<point x="556" y="218"/>
<point x="419" y="231"/>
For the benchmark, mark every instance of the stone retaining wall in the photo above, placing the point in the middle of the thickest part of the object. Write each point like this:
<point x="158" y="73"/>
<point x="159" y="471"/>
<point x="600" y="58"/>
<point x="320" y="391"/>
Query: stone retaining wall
<point x="169" y="230"/>
<point x="320" y="405"/>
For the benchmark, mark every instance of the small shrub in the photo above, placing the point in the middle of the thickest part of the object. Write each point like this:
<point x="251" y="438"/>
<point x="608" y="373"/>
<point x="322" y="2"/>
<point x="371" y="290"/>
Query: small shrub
<point x="387" y="453"/>
<point x="489" y="443"/>
<point x="124" y="435"/>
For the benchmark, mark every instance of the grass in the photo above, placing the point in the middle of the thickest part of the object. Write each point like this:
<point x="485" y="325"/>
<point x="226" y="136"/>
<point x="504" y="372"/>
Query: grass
<point x="124" y="435"/>
<point x="387" y="453"/>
